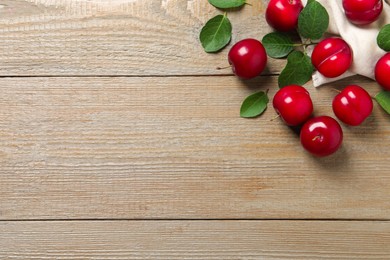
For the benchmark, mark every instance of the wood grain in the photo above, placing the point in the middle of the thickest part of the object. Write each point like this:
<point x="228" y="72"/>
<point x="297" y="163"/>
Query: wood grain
<point x="195" y="240"/>
<point x="119" y="139"/>
<point x="175" y="147"/>
<point x="125" y="37"/>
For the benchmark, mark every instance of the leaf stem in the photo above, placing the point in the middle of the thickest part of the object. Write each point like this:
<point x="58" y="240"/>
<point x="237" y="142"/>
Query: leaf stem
<point x="308" y="43"/>
<point x="304" y="44"/>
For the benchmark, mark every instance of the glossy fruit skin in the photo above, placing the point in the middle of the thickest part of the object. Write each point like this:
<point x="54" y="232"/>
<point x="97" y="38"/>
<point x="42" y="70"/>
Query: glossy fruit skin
<point x="321" y="136"/>
<point x="382" y="71"/>
<point x="362" y="12"/>
<point x="293" y="104"/>
<point x="283" y="15"/>
<point x="352" y="105"/>
<point x="332" y="57"/>
<point x="247" y="58"/>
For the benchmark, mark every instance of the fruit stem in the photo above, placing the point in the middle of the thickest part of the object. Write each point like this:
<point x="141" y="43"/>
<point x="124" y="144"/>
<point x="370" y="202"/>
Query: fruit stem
<point x="224" y="68"/>
<point x="316" y="137"/>
<point x="274" y="118"/>
<point x="335" y="89"/>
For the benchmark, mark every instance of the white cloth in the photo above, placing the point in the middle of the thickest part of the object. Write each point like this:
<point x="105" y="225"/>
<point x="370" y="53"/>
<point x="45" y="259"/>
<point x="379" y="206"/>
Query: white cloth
<point x="362" y="40"/>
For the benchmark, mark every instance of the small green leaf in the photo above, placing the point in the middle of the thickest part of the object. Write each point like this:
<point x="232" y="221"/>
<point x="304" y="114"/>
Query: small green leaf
<point x="297" y="71"/>
<point x="216" y="33"/>
<point x="313" y="21"/>
<point x="383" y="99"/>
<point x="383" y="38"/>
<point x="254" y="105"/>
<point x="227" y="3"/>
<point x="277" y="44"/>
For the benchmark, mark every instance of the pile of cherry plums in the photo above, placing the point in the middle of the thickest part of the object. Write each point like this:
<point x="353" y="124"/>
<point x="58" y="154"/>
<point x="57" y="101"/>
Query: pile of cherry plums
<point x="320" y="135"/>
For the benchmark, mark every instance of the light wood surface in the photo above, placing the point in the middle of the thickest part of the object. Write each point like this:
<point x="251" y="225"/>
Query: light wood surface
<point x="120" y="140"/>
<point x="177" y="148"/>
<point x="196" y="240"/>
<point x="125" y="37"/>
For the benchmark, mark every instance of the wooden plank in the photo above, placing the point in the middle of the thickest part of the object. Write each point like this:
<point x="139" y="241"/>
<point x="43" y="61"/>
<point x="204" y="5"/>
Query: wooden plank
<point x="126" y="37"/>
<point x="177" y="148"/>
<point x="195" y="240"/>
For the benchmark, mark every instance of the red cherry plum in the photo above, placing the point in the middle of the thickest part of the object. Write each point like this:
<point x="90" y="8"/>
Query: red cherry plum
<point x="247" y="58"/>
<point x="352" y="105"/>
<point x="293" y="104"/>
<point x="332" y="57"/>
<point x="362" y="12"/>
<point x="321" y="136"/>
<point x="283" y="15"/>
<point x="382" y="71"/>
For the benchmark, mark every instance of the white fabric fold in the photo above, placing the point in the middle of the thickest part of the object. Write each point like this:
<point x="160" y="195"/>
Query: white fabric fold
<point x="362" y="40"/>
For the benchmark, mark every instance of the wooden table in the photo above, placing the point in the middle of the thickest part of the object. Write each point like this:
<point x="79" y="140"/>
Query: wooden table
<point x="119" y="139"/>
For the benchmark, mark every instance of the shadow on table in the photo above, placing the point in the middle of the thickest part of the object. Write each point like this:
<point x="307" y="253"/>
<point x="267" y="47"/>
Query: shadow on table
<point x="260" y="83"/>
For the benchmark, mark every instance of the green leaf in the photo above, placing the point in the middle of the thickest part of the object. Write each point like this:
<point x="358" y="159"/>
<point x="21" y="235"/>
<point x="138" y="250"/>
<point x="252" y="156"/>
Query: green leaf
<point x="313" y="21"/>
<point x="277" y="44"/>
<point x="383" y="38"/>
<point x="297" y="71"/>
<point x="216" y="33"/>
<point x="383" y="99"/>
<point x="227" y="3"/>
<point x="254" y="105"/>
